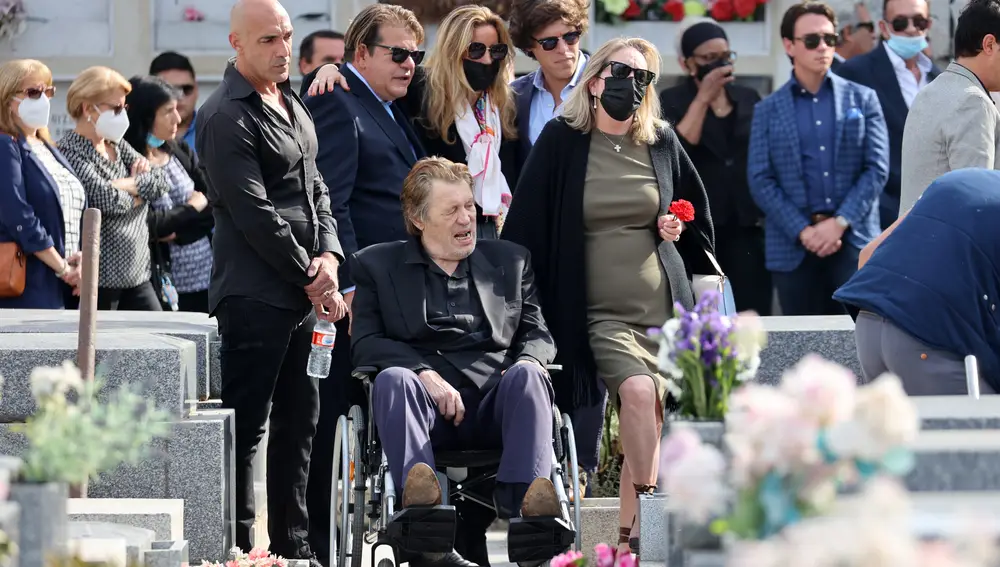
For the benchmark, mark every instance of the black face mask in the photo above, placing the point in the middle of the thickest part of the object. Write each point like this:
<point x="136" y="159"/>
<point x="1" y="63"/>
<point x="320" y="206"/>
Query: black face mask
<point x="621" y="97"/>
<point x="480" y="75"/>
<point x="704" y="70"/>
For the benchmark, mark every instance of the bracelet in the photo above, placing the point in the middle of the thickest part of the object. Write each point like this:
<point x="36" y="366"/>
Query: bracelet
<point x="64" y="270"/>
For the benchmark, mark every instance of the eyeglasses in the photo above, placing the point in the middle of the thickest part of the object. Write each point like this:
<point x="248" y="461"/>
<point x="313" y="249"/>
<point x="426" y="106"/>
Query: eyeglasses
<point x="812" y="40"/>
<point x="116" y="108"/>
<point x="901" y="23"/>
<point x="188" y="90"/>
<point x="717" y="56"/>
<point x="870" y="26"/>
<point x="550" y="43"/>
<point x="498" y="52"/>
<point x="400" y="55"/>
<point x="34" y="92"/>
<point x="622" y="71"/>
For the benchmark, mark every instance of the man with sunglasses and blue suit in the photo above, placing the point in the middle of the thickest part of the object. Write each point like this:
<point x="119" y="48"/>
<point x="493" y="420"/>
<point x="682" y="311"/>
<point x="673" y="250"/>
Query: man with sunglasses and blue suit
<point x="818" y="161"/>
<point x="897" y="70"/>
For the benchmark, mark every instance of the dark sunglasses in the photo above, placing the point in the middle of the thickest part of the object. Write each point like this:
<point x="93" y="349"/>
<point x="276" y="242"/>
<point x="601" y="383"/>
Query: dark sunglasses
<point x="33" y="92"/>
<point x="729" y="56"/>
<point x="117" y="108"/>
<point x="901" y="23"/>
<point x="870" y="26"/>
<point x="622" y="71"/>
<point x="400" y="55"/>
<point x="186" y="89"/>
<point x="498" y="52"/>
<point x="550" y="43"/>
<point x="812" y="40"/>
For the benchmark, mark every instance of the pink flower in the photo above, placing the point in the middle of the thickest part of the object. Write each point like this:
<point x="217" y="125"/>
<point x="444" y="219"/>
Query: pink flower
<point x="257" y="553"/>
<point x="824" y="390"/>
<point x="570" y="558"/>
<point x="605" y="555"/>
<point x="192" y="14"/>
<point x="625" y="560"/>
<point x="680" y="442"/>
<point x="264" y="562"/>
<point x="232" y="563"/>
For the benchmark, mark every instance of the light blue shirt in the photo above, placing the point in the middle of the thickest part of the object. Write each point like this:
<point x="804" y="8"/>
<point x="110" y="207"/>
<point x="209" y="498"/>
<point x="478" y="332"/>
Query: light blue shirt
<point x="543" y="105"/>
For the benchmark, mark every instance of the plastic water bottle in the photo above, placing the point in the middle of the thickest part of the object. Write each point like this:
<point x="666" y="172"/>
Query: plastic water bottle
<point x="324" y="337"/>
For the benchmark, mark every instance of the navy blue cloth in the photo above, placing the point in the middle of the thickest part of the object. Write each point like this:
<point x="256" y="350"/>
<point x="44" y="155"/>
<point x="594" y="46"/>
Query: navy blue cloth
<point x="31" y="215"/>
<point x="364" y="155"/>
<point x="815" y="119"/>
<point x="875" y="71"/>
<point x="937" y="276"/>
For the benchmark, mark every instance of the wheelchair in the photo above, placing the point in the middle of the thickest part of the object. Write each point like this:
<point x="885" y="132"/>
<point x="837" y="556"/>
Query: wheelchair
<point x="365" y="504"/>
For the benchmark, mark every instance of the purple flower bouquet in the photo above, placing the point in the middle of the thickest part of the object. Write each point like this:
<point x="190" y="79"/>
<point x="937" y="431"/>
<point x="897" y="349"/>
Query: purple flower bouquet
<point x="706" y="355"/>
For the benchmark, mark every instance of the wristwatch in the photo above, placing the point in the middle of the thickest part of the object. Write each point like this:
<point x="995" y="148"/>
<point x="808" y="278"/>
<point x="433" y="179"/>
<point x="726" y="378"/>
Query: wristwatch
<point x="843" y="222"/>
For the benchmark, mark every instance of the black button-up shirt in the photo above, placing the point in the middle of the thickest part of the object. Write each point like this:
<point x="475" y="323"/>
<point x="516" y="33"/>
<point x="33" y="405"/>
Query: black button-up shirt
<point x="453" y="307"/>
<point x="271" y="207"/>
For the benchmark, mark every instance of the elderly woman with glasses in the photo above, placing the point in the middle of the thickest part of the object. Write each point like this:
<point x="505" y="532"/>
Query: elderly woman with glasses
<point x="462" y="107"/>
<point x="610" y="261"/>
<point x="119" y="182"/>
<point x="41" y="200"/>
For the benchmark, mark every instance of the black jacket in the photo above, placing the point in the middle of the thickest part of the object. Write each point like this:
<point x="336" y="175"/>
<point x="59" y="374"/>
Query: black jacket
<point x="389" y="317"/>
<point x="721" y="155"/>
<point x="546" y="217"/>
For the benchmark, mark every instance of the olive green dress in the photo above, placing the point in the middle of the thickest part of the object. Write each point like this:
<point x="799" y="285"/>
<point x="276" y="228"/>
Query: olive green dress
<point x="627" y="287"/>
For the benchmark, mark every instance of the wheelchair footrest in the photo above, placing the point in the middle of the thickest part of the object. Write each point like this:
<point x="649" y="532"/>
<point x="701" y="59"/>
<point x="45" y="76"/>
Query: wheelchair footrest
<point x="429" y="529"/>
<point x="538" y="539"/>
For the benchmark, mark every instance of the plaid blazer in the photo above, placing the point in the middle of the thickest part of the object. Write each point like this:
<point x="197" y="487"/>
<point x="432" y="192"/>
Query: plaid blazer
<point x="777" y="184"/>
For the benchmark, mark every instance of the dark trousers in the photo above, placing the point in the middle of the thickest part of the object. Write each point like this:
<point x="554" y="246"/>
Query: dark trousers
<point x="808" y="289"/>
<point x="263" y="355"/>
<point x="888" y="209"/>
<point x="337" y="394"/>
<point x="193" y="302"/>
<point x="740" y="252"/>
<point x="139" y="298"/>
<point x="515" y="415"/>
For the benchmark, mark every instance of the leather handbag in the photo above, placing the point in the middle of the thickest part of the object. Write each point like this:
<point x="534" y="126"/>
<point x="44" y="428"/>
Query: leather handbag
<point x="13" y="270"/>
<point x="718" y="282"/>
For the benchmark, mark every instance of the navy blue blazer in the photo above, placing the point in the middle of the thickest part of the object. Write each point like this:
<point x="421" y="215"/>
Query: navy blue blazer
<point x="363" y="157"/>
<point x="31" y="215"/>
<point x="874" y="70"/>
<point x="524" y="88"/>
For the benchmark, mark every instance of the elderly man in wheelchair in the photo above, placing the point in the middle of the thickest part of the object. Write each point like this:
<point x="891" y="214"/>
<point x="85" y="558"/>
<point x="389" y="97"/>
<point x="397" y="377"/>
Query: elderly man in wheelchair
<point x="455" y="331"/>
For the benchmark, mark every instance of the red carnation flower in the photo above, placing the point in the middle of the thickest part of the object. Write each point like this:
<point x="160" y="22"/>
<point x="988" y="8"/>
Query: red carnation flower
<point x="745" y="8"/>
<point x="634" y="10"/>
<point x="722" y="11"/>
<point x="675" y="8"/>
<point x="683" y="210"/>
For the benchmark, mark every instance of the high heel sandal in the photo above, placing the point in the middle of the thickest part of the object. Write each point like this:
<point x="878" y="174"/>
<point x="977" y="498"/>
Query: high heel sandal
<point x="625" y="534"/>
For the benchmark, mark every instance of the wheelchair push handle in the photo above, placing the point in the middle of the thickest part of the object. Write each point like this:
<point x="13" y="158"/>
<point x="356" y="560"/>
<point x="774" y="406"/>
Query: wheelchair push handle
<point x="369" y="372"/>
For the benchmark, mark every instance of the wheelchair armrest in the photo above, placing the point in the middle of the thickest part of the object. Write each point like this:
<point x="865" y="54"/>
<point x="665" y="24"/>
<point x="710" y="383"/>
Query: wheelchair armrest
<point x="554" y="367"/>
<point x="365" y="372"/>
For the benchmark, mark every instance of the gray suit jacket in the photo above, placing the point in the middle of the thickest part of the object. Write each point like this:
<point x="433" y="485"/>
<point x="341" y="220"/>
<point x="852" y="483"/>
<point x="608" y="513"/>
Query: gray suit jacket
<point x="953" y="124"/>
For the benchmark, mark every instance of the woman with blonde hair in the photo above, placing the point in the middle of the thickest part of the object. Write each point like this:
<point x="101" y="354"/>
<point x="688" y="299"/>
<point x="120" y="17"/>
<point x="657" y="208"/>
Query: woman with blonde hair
<point x="609" y="259"/>
<point x="462" y="108"/>
<point x="119" y="182"/>
<point x="41" y="200"/>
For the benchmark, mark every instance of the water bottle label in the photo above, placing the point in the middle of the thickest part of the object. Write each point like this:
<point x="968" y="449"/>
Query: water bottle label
<point x="324" y="339"/>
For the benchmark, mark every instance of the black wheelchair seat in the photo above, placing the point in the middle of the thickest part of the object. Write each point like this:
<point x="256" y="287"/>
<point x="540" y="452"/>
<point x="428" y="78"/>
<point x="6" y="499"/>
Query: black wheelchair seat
<point x="467" y="459"/>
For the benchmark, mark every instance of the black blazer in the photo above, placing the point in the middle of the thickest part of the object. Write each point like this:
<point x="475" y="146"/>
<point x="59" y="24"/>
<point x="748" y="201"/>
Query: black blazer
<point x="546" y="217"/>
<point x="183" y="220"/>
<point x="433" y="142"/>
<point x="875" y="70"/>
<point x="389" y="317"/>
<point x="722" y="167"/>
<point x="363" y="156"/>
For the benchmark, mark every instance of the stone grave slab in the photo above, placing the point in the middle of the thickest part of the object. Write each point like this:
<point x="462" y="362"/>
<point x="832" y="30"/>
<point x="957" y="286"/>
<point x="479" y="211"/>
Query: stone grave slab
<point x="599" y="519"/>
<point x="956" y="460"/>
<point x="165" y="517"/>
<point x="197" y="328"/>
<point x="654" y="527"/>
<point x="137" y="540"/>
<point x="958" y="412"/>
<point x="162" y="367"/>
<point x="167" y="554"/>
<point x="789" y="339"/>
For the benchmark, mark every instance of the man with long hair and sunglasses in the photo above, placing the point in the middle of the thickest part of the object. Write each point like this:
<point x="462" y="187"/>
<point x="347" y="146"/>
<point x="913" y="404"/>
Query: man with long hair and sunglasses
<point x="897" y="70"/>
<point x="818" y="160"/>
<point x="954" y="123"/>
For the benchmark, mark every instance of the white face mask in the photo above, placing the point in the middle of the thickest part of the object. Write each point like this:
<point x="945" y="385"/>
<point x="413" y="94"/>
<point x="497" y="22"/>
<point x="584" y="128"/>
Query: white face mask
<point x="111" y="127"/>
<point x="34" y="112"/>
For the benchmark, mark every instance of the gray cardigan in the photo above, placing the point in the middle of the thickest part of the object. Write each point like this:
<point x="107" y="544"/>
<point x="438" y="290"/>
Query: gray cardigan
<point x="952" y="124"/>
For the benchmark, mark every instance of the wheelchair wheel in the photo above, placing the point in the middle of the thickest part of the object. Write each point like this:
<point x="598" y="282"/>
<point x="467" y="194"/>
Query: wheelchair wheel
<point x="347" y="508"/>
<point x="573" y="470"/>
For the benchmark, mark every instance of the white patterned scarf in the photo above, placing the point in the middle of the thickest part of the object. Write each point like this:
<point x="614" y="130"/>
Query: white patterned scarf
<point x="482" y="148"/>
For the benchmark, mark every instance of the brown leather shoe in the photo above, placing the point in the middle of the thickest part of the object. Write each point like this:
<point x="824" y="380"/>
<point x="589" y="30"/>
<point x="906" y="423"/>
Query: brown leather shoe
<point x="421" y="487"/>
<point x="540" y="499"/>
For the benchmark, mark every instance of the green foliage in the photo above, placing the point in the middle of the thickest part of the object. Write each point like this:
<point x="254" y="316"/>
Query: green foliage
<point x="74" y="441"/>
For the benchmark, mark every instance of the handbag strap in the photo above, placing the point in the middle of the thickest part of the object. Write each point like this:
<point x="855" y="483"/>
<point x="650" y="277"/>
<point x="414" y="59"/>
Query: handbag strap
<point x="706" y="246"/>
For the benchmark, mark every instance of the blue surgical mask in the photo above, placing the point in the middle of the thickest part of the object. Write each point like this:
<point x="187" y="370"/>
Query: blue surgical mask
<point x="153" y="141"/>
<point x="905" y="46"/>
